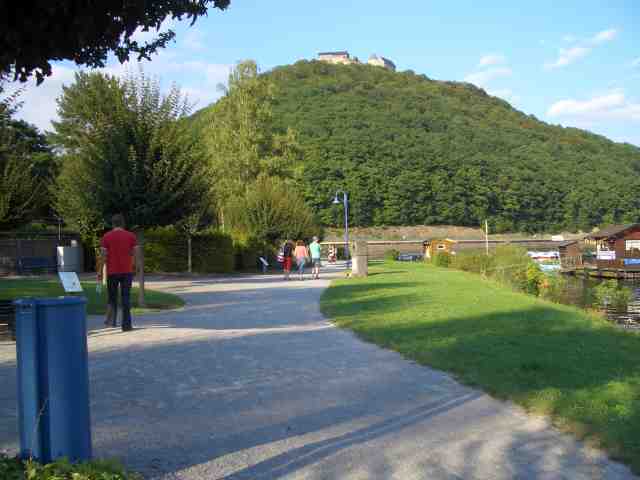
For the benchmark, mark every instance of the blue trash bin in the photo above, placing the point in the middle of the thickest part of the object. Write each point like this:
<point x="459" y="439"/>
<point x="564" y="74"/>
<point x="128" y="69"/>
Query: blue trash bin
<point x="53" y="379"/>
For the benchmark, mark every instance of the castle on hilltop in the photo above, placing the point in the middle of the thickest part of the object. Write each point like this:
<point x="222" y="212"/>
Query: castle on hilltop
<point x="344" y="58"/>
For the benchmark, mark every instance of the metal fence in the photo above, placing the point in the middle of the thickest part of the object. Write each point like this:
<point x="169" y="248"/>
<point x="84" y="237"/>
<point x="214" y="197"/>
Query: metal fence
<point x="17" y="246"/>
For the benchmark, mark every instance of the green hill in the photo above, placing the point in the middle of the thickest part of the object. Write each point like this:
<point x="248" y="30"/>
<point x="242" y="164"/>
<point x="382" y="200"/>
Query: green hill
<point x="411" y="150"/>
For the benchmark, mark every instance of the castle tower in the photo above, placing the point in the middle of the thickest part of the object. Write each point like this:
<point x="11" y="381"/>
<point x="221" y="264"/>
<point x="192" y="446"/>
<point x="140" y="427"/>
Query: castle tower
<point x="381" y="62"/>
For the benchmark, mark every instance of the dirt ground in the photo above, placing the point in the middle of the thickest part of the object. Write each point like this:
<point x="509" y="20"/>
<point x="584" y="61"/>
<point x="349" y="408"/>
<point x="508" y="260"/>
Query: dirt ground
<point x="423" y="232"/>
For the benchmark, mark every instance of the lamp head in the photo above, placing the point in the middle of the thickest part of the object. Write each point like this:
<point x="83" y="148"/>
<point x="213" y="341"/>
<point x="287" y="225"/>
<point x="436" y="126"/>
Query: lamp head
<point x="335" y="200"/>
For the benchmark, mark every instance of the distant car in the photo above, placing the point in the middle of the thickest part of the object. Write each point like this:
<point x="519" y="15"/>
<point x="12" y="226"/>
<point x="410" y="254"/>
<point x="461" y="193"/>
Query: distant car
<point x="409" y="257"/>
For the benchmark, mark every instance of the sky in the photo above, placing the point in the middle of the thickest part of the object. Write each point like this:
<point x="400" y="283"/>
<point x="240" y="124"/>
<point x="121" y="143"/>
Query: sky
<point x="574" y="63"/>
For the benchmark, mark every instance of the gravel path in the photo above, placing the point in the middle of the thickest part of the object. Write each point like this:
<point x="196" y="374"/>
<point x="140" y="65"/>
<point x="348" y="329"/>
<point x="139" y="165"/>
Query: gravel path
<point x="249" y="381"/>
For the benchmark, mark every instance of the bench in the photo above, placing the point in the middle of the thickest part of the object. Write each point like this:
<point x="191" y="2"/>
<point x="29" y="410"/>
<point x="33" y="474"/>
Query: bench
<point x="37" y="265"/>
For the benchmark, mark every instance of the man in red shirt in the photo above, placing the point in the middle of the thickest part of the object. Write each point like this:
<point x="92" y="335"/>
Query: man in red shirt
<point x="119" y="247"/>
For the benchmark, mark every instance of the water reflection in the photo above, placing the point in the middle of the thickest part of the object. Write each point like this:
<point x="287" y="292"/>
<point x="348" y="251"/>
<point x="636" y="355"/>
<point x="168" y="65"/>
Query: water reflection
<point x="579" y="291"/>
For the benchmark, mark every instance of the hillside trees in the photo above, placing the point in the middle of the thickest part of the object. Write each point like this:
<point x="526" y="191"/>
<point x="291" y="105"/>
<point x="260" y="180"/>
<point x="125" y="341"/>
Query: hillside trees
<point x="410" y="150"/>
<point x="125" y="151"/>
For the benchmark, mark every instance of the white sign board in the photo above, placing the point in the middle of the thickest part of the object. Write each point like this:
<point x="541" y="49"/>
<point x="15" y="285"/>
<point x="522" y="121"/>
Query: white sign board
<point x="606" y="255"/>
<point x="70" y="282"/>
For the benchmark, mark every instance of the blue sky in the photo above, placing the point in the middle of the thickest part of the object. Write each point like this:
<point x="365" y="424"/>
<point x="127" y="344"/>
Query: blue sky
<point x="575" y="63"/>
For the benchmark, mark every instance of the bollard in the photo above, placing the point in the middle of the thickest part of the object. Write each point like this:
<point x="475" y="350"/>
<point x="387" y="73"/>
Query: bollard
<point x="360" y="255"/>
<point x="53" y="379"/>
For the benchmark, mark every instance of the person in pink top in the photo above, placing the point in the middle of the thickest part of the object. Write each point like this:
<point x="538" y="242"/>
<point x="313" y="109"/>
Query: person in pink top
<point x="119" y="247"/>
<point x="301" y="253"/>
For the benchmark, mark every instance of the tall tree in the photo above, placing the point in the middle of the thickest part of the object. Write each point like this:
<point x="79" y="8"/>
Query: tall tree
<point x="240" y="138"/>
<point x="35" y="32"/>
<point x="126" y="151"/>
<point x="26" y="166"/>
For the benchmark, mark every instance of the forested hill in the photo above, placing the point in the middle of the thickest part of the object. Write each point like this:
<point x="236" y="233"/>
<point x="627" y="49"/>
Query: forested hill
<point x="410" y="150"/>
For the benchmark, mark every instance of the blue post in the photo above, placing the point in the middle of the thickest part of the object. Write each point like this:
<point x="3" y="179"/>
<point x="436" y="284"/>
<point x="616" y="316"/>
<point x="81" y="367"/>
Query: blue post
<point x="53" y="379"/>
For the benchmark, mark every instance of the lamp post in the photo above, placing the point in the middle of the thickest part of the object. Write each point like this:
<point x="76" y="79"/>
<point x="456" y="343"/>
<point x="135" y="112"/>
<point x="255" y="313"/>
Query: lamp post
<point x="345" y="202"/>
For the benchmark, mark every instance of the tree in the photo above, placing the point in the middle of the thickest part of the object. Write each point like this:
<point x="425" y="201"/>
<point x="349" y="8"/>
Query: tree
<point x="271" y="210"/>
<point x="127" y="152"/>
<point x="26" y="166"/>
<point x="35" y="32"/>
<point x="240" y="139"/>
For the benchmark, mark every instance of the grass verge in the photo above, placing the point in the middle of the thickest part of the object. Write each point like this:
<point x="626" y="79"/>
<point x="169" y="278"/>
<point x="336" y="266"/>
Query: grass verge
<point x="552" y="359"/>
<point x="96" y="303"/>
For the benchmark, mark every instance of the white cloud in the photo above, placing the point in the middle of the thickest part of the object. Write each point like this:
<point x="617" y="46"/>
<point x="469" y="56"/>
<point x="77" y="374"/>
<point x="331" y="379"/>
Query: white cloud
<point x="567" y="56"/>
<point x="482" y="78"/>
<point x="612" y="105"/>
<point x="39" y="102"/>
<point x="492" y="59"/>
<point x="40" y="106"/>
<point x="604" y="36"/>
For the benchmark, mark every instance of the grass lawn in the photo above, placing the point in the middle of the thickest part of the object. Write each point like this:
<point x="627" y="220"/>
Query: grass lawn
<point x="96" y="304"/>
<point x="551" y="359"/>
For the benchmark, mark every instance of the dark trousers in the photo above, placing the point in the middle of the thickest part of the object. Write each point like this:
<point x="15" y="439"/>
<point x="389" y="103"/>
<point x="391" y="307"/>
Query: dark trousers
<point x="123" y="280"/>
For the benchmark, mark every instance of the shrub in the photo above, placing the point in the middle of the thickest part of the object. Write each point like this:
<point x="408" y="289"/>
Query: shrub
<point x="611" y="293"/>
<point x="212" y="252"/>
<point x="165" y="250"/>
<point x="442" y="259"/>
<point x="16" y="469"/>
<point x="246" y="252"/>
<point x="534" y="277"/>
<point x="553" y="287"/>
<point x="475" y="261"/>
<point x="391" y="255"/>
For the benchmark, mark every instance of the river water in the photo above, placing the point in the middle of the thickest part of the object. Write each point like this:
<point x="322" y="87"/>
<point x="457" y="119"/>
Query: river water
<point x="580" y="292"/>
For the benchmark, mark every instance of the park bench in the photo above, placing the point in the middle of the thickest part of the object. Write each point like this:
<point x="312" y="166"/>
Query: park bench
<point x="7" y="320"/>
<point x="37" y="265"/>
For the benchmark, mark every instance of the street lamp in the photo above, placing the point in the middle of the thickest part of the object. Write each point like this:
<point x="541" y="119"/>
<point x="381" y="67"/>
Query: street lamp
<point x="345" y="202"/>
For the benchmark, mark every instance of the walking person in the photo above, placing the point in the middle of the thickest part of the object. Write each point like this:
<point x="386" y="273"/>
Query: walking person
<point x="119" y="248"/>
<point x="314" y="249"/>
<point x="302" y="254"/>
<point x="287" y="254"/>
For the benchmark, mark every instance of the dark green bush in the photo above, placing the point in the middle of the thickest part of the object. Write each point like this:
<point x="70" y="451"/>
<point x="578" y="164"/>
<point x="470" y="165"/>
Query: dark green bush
<point x="212" y="252"/>
<point x="166" y="248"/>
<point x="16" y="469"/>
<point x="391" y="255"/>
<point x="247" y="250"/>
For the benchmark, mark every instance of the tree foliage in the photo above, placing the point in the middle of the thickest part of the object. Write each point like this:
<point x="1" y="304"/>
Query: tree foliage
<point x="125" y="151"/>
<point x="26" y="166"/>
<point x="411" y="150"/>
<point x="35" y="32"/>
<point x="240" y="139"/>
<point x="271" y="210"/>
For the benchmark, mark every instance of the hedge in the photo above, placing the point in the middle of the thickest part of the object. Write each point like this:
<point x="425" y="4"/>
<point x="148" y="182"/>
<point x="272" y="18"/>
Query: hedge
<point x="165" y="250"/>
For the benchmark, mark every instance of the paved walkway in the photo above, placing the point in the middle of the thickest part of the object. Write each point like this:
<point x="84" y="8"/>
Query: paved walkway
<point x="249" y="381"/>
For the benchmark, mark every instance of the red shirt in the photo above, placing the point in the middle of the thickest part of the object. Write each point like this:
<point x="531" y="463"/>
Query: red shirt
<point x="119" y="244"/>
